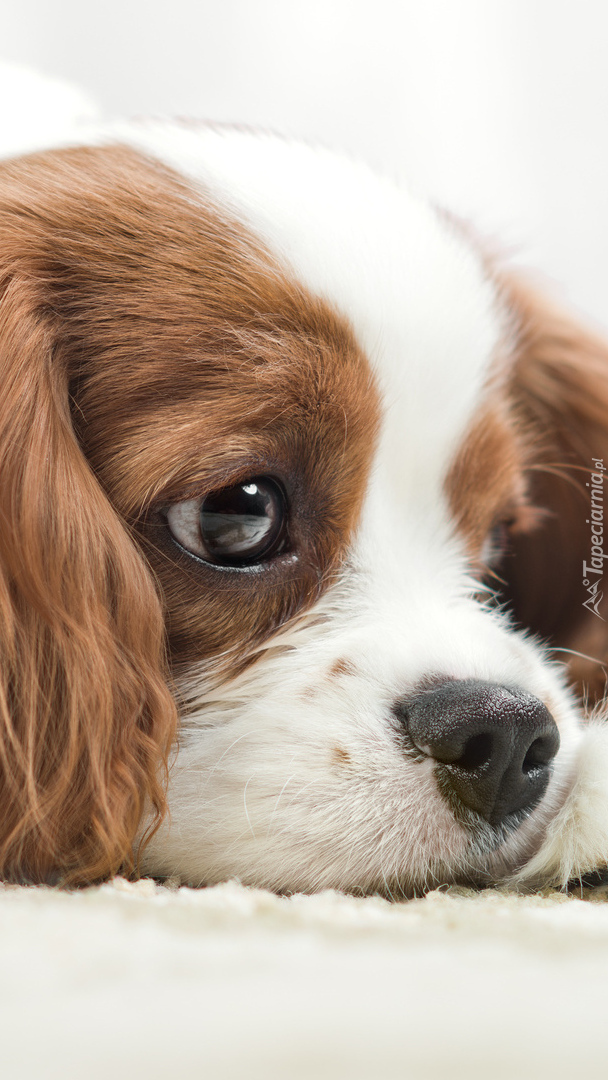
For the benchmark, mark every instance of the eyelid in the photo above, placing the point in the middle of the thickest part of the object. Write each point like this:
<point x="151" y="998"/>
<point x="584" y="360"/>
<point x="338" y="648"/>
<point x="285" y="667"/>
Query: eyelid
<point x="520" y="518"/>
<point x="198" y="487"/>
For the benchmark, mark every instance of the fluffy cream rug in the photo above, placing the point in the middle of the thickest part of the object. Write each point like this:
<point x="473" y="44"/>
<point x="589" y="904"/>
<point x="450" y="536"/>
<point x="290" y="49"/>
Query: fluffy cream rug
<point x="138" y="980"/>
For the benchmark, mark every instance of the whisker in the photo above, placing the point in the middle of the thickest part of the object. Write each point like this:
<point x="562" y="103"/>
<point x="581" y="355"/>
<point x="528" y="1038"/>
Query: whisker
<point x="574" y="652"/>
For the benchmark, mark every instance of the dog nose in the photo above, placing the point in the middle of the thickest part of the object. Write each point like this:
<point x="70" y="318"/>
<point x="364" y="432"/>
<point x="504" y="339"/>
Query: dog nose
<point x="493" y="744"/>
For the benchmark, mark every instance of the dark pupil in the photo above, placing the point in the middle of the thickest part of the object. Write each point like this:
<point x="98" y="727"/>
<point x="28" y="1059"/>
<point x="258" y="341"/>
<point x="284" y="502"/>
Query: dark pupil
<point x="242" y="523"/>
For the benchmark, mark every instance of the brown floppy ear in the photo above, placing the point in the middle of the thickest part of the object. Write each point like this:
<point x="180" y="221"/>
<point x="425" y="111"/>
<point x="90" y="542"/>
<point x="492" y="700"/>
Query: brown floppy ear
<point x="557" y="576"/>
<point x="86" y="719"/>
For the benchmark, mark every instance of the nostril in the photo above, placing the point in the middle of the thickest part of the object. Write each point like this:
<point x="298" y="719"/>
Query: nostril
<point x="540" y="754"/>
<point x="478" y="751"/>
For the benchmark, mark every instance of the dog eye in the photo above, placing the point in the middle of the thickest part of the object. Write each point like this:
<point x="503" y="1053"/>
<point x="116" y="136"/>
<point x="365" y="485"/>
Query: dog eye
<point x="237" y="526"/>
<point x="497" y="543"/>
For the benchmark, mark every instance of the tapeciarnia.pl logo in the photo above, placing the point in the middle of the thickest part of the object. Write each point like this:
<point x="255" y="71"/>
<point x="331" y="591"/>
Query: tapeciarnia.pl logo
<point x="594" y="569"/>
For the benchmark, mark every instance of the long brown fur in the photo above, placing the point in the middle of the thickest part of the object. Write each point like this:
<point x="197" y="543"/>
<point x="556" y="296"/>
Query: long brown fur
<point x="524" y="469"/>
<point x="558" y="391"/>
<point x="86" y="718"/>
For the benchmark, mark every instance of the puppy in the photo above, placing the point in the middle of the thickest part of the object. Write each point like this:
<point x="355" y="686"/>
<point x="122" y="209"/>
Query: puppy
<point x="301" y="543"/>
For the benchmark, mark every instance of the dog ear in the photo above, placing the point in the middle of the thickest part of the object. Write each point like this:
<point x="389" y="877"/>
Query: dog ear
<point x="556" y="577"/>
<point x="86" y="718"/>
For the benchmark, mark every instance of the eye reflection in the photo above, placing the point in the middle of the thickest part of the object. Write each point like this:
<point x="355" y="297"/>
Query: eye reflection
<point x="236" y="526"/>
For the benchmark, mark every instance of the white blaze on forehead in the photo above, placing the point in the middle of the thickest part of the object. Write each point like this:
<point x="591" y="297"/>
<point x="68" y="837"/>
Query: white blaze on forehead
<point x="413" y="290"/>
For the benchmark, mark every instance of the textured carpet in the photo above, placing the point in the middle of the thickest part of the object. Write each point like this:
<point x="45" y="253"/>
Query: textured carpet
<point x="137" y="980"/>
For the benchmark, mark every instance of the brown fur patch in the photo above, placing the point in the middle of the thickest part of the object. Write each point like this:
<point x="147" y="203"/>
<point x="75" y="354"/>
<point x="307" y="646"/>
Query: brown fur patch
<point x="341" y="668"/>
<point x="152" y="351"/>
<point x="340" y="757"/>
<point x="485" y="483"/>
<point x="552" y="420"/>
<point x="559" y="394"/>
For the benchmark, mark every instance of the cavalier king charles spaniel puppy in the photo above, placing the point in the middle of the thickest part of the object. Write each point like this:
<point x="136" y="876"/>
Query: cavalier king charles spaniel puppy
<point x="301" y="530"/>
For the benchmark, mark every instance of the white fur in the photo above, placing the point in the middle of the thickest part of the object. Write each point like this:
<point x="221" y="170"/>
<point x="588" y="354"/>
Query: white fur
<point x="256" y="789"/>
<point x="283" y="777"/>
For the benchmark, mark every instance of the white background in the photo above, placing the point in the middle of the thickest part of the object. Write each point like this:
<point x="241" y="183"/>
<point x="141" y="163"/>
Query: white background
<point x="498" y="109"/>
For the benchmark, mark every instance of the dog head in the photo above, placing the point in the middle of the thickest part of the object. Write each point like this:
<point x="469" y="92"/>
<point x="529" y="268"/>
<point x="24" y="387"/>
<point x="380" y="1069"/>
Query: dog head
<point x="293" y="490"/>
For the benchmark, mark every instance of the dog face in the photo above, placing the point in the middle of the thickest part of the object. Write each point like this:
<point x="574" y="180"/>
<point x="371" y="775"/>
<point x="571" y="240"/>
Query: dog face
<point x="292" y="477"/>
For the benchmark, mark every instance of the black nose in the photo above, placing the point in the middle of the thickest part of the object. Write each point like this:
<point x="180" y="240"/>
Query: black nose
<point x="493" y="744"/>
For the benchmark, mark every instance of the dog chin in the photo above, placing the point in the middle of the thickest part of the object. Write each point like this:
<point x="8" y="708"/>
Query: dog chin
<point x="536" y="848"/>
<point x="573" y="839"/>
<point x="565" y="838"/>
